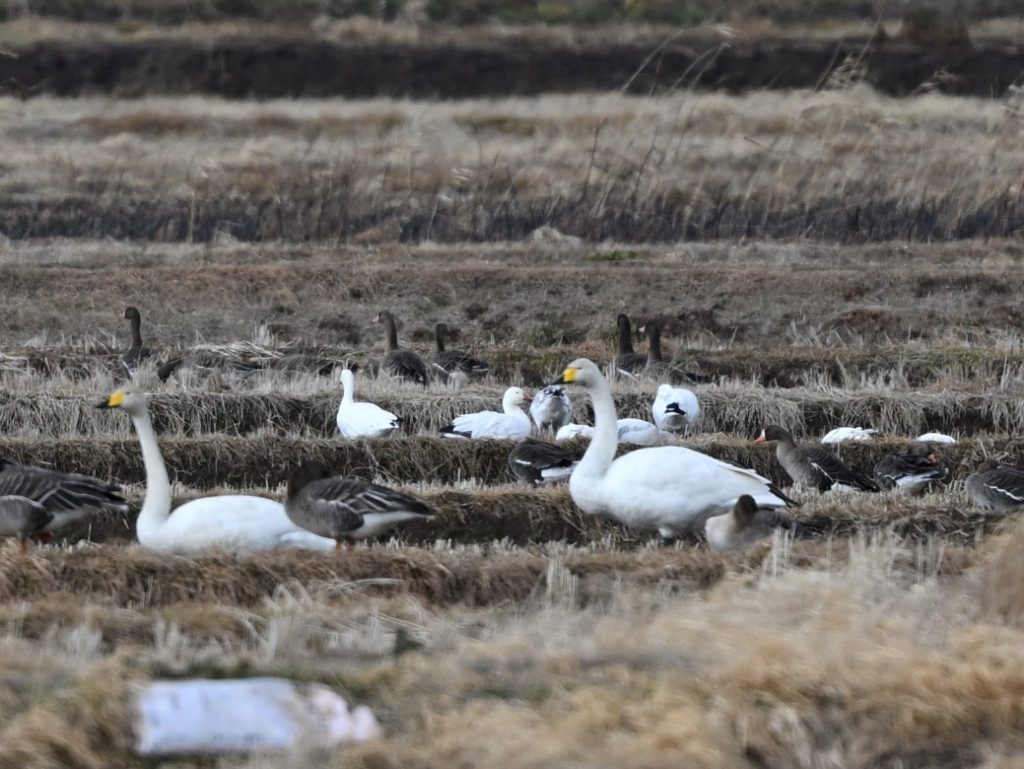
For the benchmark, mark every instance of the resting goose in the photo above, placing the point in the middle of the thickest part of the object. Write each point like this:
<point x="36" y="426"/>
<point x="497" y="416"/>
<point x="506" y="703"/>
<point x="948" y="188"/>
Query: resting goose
<point x="668" y="489"/>
<point x="346" y="509"/>
<point x="137" y="352"/>
<point x="537" y="462"/>
<point x="230" y="522"/>
<point x="841" y="434"/>
<point x="935" y="438"/>
<point x="404" y="364"/>
<point x="911" y="471"/>
<point x="67" y="497"/>
<point x="572" y="431"/>
<point x="996" y="487"/>
<point x="814" y="466"/>
<point x="456" y="361"/>
<point x="745" y="525"/>
<point x="551" y="408"/>
<point x="362" y="419"/>
<point x="636" y="432"/>
<point x="627" y="362"/>
<point x="675" y="409"/>
<point x="511" y="422"/>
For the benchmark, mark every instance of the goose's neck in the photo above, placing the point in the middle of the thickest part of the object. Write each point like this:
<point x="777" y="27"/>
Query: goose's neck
<point x="348" y="395"/>
<point x="392" y="334"/>
<point x="156" y="507"/>
<point x="439" y="338"/>
<point x="601" y="451"/>
<point x="136" y="332"/>
<point x="654" y="350"/>
<point x="625" y="343"/>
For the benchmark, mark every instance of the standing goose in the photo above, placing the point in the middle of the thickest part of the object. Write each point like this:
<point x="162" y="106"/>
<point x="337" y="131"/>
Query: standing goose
<point x="656" y="366"/>
<point x="996" y="488"/>
<point x="910" y="471"/>
<point x="404" y="364"/>
<point x="537" y="462"/>
<point x="510" y="422"/>
<point x="362" y="419"/>
<point x="627" y="362"/>
<point x="459" y="362"/>
<point x="675" y="409"/>
<point x="137" y="352"/>
<point x="22" y="518"/>
<point x="668" y="489"/>
<point x="745" y="525"/>
<point x="551" y="408"/>
<point x="235" y="523"/>
<point x="814" y="466"/>
<point x="345" y="509"/>
<point x="66" y="497"/>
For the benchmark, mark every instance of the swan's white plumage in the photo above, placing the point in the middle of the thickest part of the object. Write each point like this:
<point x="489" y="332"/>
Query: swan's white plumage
<point x="675" y="409"/>
<point x="511" y="423"/>
<point x="841" y="434"/>
<point x="231" y="522"/>
<point x="362" y="419"/>
<point x="669" y="489"/>
<point x="935" y="438"/>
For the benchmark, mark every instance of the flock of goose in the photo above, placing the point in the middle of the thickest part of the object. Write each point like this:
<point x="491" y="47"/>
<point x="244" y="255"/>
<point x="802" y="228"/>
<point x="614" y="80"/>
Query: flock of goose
<point x="668" y="489"/>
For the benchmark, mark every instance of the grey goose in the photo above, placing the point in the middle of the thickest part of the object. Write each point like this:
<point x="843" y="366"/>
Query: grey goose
<point x="814" y="466"/>
<point x="22" y="518"/>
<point x="137" y="352"/>
<point x="626" y="361"/>
<point x="745" y="525"/>
<point x="996" y="487"/>
<point x="551" y="408"/>
<point x="346" y="509"/>
<point x="910" y="471"/>
<point x="66" y="497"/>
<point x="456" y="362"/>
<point x="657" y="366"/>
<point x="538" y="462"/>
<point x="403" y="364"/>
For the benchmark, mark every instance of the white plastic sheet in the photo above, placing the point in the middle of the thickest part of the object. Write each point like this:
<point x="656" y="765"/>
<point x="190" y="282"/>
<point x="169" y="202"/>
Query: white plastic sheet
<point x="250" y="714"/>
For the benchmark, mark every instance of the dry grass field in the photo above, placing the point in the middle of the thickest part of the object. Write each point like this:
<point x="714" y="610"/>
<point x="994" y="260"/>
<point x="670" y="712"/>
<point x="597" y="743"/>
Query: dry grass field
<point x="823" y="257"/>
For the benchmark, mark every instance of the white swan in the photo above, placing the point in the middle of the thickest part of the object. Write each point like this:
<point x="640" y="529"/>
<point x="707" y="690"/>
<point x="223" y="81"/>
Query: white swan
<point x="668" y="489"/>
<point x="675" y="409"/>
<point x="362" y="420"/>
<point x="840" y="434"/>
<point x="236" y="523"/>
<point x="511" y="422"/>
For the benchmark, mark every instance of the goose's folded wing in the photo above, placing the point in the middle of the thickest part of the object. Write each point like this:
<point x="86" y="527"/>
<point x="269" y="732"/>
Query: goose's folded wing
<point x="1005" y="483"/>
<point x="833" y="468"/>
<point x="351" y="496"/>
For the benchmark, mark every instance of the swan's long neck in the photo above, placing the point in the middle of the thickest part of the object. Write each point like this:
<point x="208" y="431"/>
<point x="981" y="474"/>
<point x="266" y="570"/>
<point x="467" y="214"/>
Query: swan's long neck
<point x="156" y="507"/>
<point x="136" y="331"/>
<point x="601" y="451"/>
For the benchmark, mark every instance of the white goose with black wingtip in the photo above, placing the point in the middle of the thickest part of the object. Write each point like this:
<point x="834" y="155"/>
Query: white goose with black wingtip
<point x="511" y="422"/>
<point x="668" y="489"/>
<point x="346" y="509"/>
<point x="675" y="409"/>
<point x="235" y="523"/>
<point x="362" y="419"/>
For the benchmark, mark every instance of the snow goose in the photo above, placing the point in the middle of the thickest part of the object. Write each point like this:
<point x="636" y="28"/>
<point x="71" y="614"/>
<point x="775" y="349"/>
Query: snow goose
<point x="627" y="362"/>
<point x="996" y="487"/>
<point x="668" y="489"/>
<point x="537" y="462"/>
<point x="814" y="466"/>
<point x="572" y="431"/>
<point x="675" y="409"/>
<point x="403" y="364"/>
<point x="637" y="432"/>
<point x="910" y="471"/>
<point x="935" y="438"/>
<point x="551" y="408"/>
<point x="745" y="525"/>
<point x="511" y="422"/>
<point x="234" y="523"/>
<point x="842" y="434"/>
<point x="362" y="419"/>
<point x="137" y="352"/>
<point x="453" y="362"/>
<point x="345" y="509"/>
<point x="65" y="496"/>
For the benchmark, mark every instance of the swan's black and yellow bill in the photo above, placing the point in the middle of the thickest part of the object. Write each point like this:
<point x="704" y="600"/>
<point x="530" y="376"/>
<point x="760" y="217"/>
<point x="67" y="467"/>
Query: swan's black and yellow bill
<point x="568" y="376"/>
<point x="115" y="400"/>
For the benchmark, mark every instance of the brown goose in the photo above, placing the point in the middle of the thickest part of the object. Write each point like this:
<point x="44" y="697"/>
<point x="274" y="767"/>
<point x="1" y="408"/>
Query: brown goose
<point x="814" y="466"/>
<point x="345" y="509"/>
<point x="22" y="518"/>
<point x="138" y="352"/>
<point x="537" y="462"/>
<point x="626" y="361"/>
<point x="745" y="525"/>
<point x="910" y="471"/>
<point x="456" y="361"/>
<point x="404" y="364"/>
<point x="657" y="367"/>
<point x="65" y="497"/>
<point x="996" y="487"/>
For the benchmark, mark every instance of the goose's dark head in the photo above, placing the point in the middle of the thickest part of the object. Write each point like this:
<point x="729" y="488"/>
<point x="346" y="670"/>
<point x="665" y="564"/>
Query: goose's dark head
<point x="773" y="433"/>
<point x="744" y="510"/>
<point x="132" y="313"/>
<point x="304" y="474"/>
